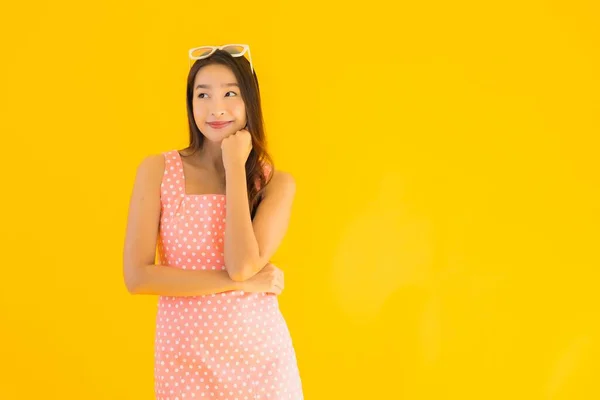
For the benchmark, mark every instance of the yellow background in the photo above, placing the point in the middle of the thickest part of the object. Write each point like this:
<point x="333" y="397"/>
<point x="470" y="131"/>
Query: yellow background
<point x="444" y="243"/>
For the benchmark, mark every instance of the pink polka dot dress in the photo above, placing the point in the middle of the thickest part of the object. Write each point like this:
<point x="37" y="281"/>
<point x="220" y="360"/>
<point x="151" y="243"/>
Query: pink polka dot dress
<point x="228" y="346"/>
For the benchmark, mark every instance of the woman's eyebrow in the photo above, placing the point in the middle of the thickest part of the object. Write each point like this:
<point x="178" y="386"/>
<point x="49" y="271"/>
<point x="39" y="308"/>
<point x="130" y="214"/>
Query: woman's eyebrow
<point x="204" y="86"/>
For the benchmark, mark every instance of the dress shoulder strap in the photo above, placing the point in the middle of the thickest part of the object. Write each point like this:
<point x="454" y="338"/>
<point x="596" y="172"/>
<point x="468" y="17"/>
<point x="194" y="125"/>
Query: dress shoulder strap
<point x="173" y="184"/>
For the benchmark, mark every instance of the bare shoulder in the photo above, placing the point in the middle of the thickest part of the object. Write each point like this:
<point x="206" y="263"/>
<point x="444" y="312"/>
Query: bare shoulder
<point x="282" y="182"/>
<point x="153" y="163"/>
<point x="150" y="170"/>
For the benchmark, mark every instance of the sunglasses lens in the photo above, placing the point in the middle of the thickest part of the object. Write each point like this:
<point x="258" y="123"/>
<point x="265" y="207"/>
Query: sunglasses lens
<point x="234" y="50"/>
<point x="201" y="51"/>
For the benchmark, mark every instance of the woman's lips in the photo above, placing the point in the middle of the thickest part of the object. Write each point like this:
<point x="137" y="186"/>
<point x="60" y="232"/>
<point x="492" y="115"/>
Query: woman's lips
<point x="219" y="125"/>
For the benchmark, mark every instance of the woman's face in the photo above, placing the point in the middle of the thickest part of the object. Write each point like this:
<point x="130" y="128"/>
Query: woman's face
<point x="217" y="98"/>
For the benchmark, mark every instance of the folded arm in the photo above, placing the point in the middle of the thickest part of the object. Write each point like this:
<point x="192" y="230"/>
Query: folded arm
<point x="249" y="245"/>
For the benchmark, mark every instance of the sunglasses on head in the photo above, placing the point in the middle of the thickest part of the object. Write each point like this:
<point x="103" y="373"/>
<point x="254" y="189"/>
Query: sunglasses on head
<point x="236" y="50"/>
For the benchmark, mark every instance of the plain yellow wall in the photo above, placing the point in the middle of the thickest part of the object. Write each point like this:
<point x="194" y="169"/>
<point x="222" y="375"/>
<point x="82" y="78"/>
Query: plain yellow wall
<point x="444" y="243"/>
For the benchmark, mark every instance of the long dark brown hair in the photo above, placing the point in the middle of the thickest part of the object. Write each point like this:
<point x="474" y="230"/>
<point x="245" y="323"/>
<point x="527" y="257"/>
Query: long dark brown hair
<point x="258" y="159"/>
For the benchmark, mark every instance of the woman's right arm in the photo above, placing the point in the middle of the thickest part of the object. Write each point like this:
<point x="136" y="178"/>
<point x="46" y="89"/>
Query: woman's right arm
<point x="141" y="274"/>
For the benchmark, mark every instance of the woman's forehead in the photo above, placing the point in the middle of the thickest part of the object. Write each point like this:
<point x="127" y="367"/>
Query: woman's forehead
<point x="215" y="75"/>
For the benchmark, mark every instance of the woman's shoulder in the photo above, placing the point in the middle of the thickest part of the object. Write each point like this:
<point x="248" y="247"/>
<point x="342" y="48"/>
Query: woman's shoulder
<point x="153" y="161"/>
<point x="152" y="167"/>
<point x="280" y="180"/>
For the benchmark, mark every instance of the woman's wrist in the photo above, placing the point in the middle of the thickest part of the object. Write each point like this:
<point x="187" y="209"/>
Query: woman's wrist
<point x="235" y="166"/>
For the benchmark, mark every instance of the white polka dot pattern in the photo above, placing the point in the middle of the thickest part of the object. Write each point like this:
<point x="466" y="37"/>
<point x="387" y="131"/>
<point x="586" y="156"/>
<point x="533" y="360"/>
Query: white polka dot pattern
<point x="232" y="345"/>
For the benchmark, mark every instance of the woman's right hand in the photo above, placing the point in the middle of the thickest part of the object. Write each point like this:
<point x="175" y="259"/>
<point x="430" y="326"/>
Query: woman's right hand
<point x="267" y="280"/>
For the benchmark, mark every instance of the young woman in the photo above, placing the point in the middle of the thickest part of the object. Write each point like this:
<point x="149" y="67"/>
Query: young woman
<point x="217" y="211"/>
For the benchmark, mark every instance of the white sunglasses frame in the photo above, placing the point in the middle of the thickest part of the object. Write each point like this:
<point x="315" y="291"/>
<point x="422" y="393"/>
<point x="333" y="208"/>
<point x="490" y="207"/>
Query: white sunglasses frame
<point x="215" y="48"/>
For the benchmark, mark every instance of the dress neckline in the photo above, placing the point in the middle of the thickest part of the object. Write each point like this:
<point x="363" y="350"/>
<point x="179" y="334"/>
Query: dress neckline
<point x="185" y="193"/>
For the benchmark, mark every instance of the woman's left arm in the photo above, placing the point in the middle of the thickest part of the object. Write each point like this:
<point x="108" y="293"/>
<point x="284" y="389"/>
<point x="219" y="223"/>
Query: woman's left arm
<point x="249" y="245"/>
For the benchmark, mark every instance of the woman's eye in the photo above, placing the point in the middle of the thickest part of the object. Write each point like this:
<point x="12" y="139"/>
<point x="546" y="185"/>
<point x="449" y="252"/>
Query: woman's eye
<point x="202" y="94"/>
